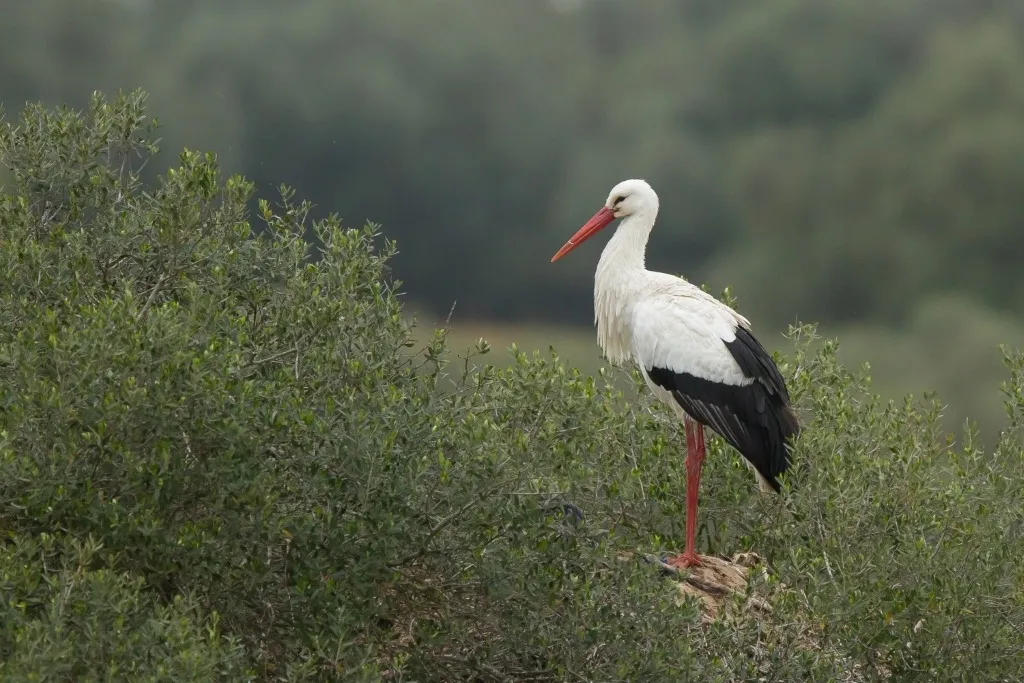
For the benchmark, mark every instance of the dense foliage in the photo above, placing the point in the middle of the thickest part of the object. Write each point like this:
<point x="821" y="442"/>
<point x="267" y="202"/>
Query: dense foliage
<point x="220" y="460"/>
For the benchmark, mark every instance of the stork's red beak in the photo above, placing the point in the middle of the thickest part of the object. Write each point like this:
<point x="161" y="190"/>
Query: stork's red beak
<point x="600" y="220"/>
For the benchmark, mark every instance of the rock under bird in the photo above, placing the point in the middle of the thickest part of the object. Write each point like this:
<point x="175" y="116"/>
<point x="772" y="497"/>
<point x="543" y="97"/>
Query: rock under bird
<point x="696" y="354"/>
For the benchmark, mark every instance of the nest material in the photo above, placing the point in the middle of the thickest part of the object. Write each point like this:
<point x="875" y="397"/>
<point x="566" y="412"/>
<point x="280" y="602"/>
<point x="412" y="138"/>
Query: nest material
<point x="715" y="582"/>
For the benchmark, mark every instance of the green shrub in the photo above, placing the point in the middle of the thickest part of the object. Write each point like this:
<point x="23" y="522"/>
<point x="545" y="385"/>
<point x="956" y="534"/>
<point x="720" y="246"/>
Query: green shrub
<point x="70" y="618"/>
<point x="221" y="459"/>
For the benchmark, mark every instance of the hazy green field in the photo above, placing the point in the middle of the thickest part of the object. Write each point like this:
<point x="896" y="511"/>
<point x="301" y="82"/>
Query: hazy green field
<point x="951" y="346"/>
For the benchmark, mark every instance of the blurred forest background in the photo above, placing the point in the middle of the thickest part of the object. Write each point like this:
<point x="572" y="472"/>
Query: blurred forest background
<point x="857" y="163"/>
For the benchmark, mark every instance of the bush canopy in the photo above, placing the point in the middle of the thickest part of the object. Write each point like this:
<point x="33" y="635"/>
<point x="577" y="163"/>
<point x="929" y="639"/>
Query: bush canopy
<point x="223" y="458"/>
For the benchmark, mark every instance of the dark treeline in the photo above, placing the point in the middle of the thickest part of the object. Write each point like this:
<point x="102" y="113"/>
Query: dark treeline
<point x="836" y="161"/>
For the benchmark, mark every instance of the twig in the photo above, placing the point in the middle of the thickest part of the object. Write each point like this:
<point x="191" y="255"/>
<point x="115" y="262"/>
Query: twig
<point x="448" y="320"/>
<point x="281" y="354"/>
<point x="438" y="527"/>
<point x="152" y="296"/>
<point x="828" y="566"/>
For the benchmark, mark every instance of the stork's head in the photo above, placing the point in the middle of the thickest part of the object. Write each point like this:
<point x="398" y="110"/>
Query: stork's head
<point x="626" y="199"/>
<point x="631" y="196"/>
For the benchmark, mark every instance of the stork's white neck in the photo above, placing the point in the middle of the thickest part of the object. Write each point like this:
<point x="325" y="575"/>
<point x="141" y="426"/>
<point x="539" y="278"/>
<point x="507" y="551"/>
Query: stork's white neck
<point x="618" y="280"/>
<point x="628" y="246"/>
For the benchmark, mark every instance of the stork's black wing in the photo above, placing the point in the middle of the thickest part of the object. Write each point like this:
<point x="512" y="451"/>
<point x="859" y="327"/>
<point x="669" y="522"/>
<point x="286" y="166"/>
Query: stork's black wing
<point x="755" y="418"/>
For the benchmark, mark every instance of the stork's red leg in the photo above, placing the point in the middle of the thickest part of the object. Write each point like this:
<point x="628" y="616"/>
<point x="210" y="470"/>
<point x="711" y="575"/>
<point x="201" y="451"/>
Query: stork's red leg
<point x="695" y="453"/>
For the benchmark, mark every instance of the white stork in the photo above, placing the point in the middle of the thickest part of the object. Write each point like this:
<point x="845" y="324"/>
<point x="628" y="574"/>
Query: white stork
<point x="697" y="354"/>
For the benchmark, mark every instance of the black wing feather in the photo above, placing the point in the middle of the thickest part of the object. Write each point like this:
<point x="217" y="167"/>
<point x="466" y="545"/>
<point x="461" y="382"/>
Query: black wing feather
<point x="756" y="419"/>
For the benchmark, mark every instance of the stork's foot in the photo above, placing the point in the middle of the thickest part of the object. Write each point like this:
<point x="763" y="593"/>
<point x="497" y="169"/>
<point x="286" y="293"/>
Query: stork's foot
<point x="684" y="560"/>
<point x="676" y="565"/>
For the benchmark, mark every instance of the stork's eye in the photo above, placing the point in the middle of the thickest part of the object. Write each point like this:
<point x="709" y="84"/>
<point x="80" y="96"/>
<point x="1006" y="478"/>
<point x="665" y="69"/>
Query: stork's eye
<point x="618" y="200"/>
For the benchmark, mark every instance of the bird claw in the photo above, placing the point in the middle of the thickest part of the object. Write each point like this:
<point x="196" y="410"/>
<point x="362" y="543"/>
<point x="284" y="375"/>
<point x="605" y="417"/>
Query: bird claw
<point x="675" y="564"/>
<point x="684" y="560"/>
